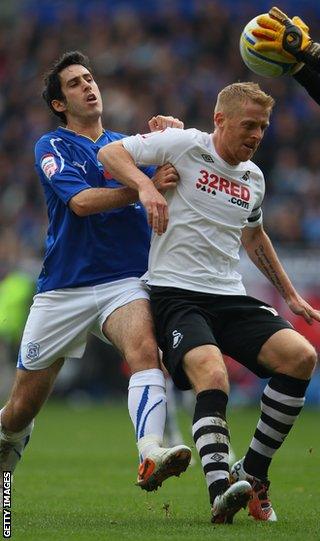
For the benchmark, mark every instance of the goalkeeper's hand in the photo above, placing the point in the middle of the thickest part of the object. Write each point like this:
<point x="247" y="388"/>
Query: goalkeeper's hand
<point x="278" y="33"/>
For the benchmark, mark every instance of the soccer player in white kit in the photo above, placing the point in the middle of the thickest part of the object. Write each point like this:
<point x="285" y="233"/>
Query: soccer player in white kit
<point x="198" y="300"/>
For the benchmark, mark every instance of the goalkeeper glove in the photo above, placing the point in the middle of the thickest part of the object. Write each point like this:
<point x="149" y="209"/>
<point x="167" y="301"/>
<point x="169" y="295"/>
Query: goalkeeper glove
<point x="280" y="34"/>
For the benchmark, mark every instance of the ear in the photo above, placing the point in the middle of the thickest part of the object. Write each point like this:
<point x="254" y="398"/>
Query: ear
<point x="59" y="106"/>
<point x="219" y="118"/>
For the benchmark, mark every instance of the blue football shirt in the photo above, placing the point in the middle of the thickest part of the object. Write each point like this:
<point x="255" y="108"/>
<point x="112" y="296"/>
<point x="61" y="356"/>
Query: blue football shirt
<point x="91" y="250"/>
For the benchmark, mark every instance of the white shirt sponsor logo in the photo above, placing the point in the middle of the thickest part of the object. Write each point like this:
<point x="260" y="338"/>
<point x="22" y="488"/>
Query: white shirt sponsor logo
<point x="49" y="165"/>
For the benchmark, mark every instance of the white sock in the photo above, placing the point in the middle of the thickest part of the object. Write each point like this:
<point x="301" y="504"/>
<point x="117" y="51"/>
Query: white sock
<point x="172" y="430"/>
<point x="12" y="445"/>
<point x="147" y="408"/>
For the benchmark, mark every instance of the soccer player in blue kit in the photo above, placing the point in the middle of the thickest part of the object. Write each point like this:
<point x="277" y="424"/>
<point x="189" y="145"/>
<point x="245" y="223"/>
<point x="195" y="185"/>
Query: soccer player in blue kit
<point x="97" y="248"/>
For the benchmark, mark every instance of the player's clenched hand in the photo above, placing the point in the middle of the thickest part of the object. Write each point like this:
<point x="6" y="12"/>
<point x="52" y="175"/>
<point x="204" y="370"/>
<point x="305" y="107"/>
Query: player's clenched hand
<point x="166" y="177"/>
<point x="160" y="122"/>
<point x="156" y="208"/>
<point x="300" y="307"/>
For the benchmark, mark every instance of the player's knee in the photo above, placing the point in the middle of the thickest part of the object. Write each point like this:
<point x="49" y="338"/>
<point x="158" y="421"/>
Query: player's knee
<point x="307" y="360"/>
<point x="205" y="373"/>
<point x="219" y="380"/>
<point x="303" y="362"/>
<point x="144" y="355"/>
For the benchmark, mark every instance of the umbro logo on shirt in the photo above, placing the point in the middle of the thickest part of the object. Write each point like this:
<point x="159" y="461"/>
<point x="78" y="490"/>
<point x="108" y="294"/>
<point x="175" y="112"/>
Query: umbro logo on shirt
<point x="207" y="158"/>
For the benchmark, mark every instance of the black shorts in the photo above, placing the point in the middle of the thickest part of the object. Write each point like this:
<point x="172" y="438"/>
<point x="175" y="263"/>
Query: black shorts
<point x="239" y="325"/>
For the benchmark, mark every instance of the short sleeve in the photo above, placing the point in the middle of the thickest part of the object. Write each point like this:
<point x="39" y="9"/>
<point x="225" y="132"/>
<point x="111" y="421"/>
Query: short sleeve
<point x="256" y="217"/>
<point x="54" y="165"/>
<point x="158" y="147"/>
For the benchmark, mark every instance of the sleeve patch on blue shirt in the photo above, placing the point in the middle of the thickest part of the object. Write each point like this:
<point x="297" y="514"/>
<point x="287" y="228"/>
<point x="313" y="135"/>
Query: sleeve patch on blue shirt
<point x="49" y="165"/>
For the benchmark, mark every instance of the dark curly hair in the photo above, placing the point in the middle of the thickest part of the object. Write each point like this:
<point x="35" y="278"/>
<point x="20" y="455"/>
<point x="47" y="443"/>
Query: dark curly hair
<point x="52" y="83"/>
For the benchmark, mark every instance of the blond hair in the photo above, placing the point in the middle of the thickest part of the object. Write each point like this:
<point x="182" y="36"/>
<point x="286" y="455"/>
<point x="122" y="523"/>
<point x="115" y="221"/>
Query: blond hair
<point x="230" y="97"/>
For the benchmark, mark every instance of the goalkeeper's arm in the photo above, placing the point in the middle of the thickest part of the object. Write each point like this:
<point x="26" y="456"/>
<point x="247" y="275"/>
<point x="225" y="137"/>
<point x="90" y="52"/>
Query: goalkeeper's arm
<point x="310" y="79"/>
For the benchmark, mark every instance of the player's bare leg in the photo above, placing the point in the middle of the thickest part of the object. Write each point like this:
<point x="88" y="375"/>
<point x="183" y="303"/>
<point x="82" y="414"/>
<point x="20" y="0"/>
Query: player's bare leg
<point x="173" y="435"/>
<point x="130" y="329"/>
<point x="207" y="373"/>
<point x="30" y="391"/>
<point x="292" y="359"/>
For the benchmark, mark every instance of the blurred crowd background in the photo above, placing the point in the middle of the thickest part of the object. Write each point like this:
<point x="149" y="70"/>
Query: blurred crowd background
<point x="149" y="56"/>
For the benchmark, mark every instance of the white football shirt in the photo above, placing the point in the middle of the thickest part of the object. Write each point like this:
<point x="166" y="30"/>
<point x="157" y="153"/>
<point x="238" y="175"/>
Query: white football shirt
<point x="211" y="205"/>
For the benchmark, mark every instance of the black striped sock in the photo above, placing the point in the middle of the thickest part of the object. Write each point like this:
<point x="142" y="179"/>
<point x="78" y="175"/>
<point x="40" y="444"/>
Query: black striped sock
<point x="211" y="436"/>
<point x="281" y="403"/>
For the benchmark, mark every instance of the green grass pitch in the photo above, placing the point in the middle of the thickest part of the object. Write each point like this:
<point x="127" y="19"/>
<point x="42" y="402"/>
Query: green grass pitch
<point x="76" y="482"/>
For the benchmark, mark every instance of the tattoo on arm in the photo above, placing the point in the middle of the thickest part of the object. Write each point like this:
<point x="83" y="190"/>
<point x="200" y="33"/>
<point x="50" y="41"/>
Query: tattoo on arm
<point x="268" y="269"/>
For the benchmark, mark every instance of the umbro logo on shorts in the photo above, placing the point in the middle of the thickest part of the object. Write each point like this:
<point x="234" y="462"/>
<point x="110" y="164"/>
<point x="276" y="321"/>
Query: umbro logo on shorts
<point x="177" y="337"/>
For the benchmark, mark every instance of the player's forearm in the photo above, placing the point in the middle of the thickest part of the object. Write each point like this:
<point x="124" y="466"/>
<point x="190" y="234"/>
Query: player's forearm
<point x="120" y="164"/>
<point x="263" y="255"/>
<point x="94" y="200"/>
<point x="310" y="56"/>
<point x="310" y="79"/>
